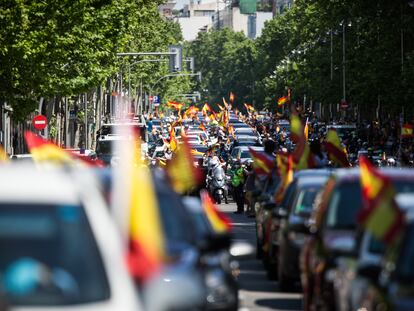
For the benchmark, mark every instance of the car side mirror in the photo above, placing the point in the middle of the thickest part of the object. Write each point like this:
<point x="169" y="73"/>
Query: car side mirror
<point x="370" y="272"/>
<point x="269" y="206"/>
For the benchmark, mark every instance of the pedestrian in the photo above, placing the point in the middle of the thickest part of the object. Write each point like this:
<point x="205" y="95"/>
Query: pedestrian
<point x="249" y="188"/>
<point x="237" y="182"/>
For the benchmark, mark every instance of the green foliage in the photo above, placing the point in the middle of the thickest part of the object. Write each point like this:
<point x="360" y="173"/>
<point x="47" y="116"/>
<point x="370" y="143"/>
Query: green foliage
<point x="227" y="61"/>
<point x="67" y="47"/>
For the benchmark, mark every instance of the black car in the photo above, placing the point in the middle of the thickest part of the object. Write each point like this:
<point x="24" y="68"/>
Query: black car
<point x="291" y="237"/>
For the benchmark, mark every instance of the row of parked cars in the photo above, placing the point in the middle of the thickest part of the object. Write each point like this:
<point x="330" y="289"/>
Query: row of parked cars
<point x="62" y="247"/>
<point x="312" y="239"/>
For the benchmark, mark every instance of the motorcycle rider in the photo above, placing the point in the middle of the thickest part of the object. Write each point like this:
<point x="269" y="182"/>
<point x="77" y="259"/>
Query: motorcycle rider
<point x="216" y="178"/>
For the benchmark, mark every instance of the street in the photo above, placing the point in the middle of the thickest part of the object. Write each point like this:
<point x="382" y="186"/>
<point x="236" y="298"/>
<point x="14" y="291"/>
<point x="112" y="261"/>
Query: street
<point x="256" y="291"/>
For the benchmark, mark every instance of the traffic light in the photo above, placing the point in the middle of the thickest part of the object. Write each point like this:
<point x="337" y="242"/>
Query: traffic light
<point x="176" y="59"/>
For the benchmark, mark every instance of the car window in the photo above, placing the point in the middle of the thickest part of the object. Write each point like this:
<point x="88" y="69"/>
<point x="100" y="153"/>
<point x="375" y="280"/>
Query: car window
<point x="49" y="256"/>
<point x="304" y="201"/>
<point x="375" y="246"/>
<point x="175" y="220"/>
<point x="346" y="200"/>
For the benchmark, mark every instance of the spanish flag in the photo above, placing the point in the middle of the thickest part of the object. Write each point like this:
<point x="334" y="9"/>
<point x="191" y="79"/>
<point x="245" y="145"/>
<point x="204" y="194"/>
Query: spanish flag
<point x="190" y="112"/>
<point x="146" y="249"/>
<point x="281" y="101"/>
<point x="380" y="214"/>
<point x="219" y="221"/>
<point x="306" y="130"/>
<point x="220" y="107"/>
<point x="407" y="131"/>
<point x="206" y="108"/>
<point x="249" y="108"/>
<point x="183" y="175"/>
<point x="285" y="169"/>
<point x="335" y="150"/>
<point x="232" y="97"/>
<point x="173" y="140"/>
<point x="174" y="105"/>
<point x="263" y="164"/>
<point x="302" y="156"/>
<point x="3" y="155"/>
<point x="46" y="151"/>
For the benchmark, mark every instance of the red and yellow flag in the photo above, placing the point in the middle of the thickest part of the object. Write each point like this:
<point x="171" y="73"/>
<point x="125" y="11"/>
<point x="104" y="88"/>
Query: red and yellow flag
<point x="206" y="108"/>
<point x="220" y="107"/>
<point x="306" y="130"/>
<point x="45" y="151"/>
<point x="249" y="108"/>
<point x="232" y="97"/>
<point x="220" y="223"/>
<point x="302" y="156"/>
<point x="226" y="105"/>
<point x="285" y="169"/>
<point x="335" y="150"/>
<point x="281" y="101"/>
<point x="183" y="175"/>
<point x="407" y="131"/>
<point x="190" y="112"/>
<point x="175" y="105"/>
<point x="263" y="164"/>
<point x="173" y="140"/>
<point x="146" y="251"/>
<point x="380" y="214"/>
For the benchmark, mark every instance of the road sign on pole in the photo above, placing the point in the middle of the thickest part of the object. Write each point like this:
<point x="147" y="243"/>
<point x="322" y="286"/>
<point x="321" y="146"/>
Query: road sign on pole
<point x="39" y="122"/>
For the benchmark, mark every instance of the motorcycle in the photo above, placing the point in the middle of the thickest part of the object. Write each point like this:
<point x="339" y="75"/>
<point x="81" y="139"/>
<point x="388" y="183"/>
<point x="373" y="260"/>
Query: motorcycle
<point x="217" y="185"/>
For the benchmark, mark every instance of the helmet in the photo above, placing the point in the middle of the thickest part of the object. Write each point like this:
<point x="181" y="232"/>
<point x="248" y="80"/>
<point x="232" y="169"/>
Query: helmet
<point x="214" y="161"/>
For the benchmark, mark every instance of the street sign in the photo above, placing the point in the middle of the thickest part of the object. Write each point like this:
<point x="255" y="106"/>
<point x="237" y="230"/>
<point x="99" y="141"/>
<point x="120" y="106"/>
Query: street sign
<point x="151" y="98"/>
<point x="344" y="104"/>
<point x="156" y="99"/>
<point x="39" y="122"/>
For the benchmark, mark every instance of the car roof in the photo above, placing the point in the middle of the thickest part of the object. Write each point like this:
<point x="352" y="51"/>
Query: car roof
<point x="309" y="181"/>
<point x="354" y="173"/>
<point x="313" y="173"/>
<point x="37" y="184"/>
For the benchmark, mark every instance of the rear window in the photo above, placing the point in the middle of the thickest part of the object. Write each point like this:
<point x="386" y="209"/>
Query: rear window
<point x="304" y="201"/>
<point x="346" y="200"/>
<point x="49" y="256"/>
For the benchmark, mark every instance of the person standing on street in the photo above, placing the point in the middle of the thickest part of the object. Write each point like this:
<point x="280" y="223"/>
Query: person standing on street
<point x="237" y="182"/>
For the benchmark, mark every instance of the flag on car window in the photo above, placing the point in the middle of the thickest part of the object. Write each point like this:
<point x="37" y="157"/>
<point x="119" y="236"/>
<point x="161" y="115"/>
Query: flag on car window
<point x="181" y="171"/>
<point x="218" y="220"/>
<point x="302" y="156"/>
<point x="335" y="150"/>
<point x="146" y="249"/>
<point x="263" y="164"/>
<point x="285" y="170"/>
<point x="380" y="214"/>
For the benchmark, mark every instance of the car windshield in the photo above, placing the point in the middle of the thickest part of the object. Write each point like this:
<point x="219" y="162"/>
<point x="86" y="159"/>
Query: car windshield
<point x="201" y="224"/>
<point x="245" y="154"/>
<point x="49" y="256"/>
<point x="375" y="246"/>
<point x="346" y="201"/>
<point x="304" y="201"/>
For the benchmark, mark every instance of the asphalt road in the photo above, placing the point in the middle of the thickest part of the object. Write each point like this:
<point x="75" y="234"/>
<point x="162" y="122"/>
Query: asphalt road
<point x="256" y="291"/>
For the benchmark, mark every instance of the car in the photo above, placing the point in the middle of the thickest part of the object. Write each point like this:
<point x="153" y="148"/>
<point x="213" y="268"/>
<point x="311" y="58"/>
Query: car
<point x="354" y="274"/>
<point x="271" y="217"/>
<point x="391" y="286"/>
<point x="245" y="131"/>
<point x="292" y="227"/>
<point x="343" y="130"/>
<point x="333" y="231"/>
<point x="60" y="247"/>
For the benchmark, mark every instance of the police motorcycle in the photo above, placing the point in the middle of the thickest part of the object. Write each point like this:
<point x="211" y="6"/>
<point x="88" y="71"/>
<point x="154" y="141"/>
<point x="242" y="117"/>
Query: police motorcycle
<point x="216" y="181"/>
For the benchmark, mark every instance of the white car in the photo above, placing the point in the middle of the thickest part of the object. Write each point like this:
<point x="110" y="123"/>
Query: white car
<point x="60" y="249"/>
